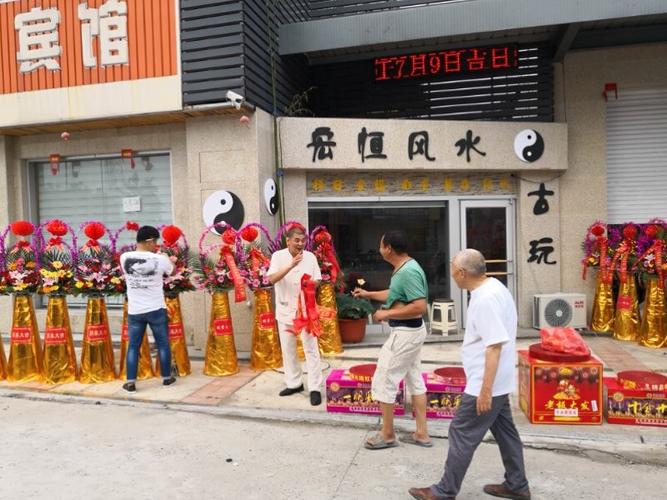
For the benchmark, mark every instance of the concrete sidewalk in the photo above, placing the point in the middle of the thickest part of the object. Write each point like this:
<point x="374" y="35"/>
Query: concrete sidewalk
<point x="255" y="395"/>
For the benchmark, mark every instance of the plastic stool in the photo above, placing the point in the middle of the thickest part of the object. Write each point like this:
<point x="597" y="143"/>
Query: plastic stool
<point x="445" y="320"/>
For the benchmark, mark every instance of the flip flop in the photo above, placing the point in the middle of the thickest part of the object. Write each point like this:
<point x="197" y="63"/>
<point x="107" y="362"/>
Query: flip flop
<point x="377" y="442"/>
<point x="410" y="439"/>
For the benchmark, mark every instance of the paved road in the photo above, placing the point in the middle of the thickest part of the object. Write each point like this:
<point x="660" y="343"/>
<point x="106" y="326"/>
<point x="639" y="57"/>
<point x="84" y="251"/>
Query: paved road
<point x="60" y="450"/>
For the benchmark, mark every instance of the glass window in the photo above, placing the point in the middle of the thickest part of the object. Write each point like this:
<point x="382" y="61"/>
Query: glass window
<point x="357" y="229"/>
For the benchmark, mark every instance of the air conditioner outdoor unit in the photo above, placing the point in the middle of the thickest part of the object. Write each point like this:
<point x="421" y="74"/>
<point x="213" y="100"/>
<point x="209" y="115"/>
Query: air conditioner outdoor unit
<point x="559" y="309"/>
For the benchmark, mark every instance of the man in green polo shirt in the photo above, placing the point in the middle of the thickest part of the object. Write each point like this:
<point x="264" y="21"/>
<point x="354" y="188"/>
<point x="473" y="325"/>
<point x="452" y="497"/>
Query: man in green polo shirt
<point x="405" y="302"/>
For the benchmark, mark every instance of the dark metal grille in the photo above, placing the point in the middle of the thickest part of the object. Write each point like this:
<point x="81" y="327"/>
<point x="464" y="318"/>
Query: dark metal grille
<point x="320" y="9"/>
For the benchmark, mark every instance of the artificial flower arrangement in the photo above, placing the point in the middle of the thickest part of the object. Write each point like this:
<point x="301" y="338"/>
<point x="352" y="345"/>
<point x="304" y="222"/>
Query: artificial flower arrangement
<point x="255" y="262"/>
<point x="97" y="270"/>
<point x="650" y="250"/>
<point x="321" y="243"/>
<point x="218" y="264"/>
<point x="175" y="244"/>
<point x="21" y="276"/>
<point x="57" y="259"/>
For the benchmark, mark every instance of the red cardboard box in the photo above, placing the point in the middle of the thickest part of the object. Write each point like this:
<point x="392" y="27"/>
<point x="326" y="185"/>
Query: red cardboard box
<point x="347" y="395"/>
<point x="443" y="396"/>
<point x="635" y="406"/>
<point x="552" y="392"/>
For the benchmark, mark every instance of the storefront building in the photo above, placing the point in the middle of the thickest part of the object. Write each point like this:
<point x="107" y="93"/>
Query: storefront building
<point x="507" y="126"/>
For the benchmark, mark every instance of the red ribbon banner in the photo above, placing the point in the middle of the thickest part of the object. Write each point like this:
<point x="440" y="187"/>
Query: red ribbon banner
<point x="310" y="321"/>
<point x="237" y="279"/>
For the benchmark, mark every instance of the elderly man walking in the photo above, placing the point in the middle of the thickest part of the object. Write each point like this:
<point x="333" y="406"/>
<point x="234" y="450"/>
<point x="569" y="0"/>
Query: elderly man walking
<point x="488" y="354"/>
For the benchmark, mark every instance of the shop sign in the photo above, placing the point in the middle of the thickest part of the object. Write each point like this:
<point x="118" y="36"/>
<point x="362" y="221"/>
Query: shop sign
<point x="69" y="43"/>
<point x="446" y="63"/>
<point x="314" y="143"/>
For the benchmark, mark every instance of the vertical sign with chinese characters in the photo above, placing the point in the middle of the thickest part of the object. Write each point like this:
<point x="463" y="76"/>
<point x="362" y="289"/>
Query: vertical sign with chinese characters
<point x="51" y="44"/>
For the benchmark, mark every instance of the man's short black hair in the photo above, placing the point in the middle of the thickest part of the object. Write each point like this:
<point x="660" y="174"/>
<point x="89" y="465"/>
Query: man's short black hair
<point x="147" y="233"/>
<point x="397" y="240"/>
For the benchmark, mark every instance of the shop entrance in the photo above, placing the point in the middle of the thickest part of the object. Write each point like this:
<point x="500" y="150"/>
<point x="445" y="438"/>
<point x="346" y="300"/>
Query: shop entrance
<point x="358" y="226"/>
<point x="488" y="226"/>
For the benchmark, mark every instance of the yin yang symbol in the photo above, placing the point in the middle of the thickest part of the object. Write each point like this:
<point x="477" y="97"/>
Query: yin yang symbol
<point x="271" y="196"/>
<point x="223" y="206"/>
<point x="528" y="145"/>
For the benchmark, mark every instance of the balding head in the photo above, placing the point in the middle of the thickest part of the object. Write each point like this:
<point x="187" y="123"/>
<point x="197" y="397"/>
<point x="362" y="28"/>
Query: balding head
<point x="471" y="261"/>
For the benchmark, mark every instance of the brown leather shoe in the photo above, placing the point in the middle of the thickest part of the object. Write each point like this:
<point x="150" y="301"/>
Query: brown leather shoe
<point x="500" y="490"/>
<point x="426" y="494"/>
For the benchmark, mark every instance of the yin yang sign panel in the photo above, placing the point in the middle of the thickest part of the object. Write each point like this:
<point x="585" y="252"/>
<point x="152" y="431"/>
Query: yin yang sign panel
<point x="271" y="196"/>
<point x="223" y="206"/>
<point x="528" y="145"/>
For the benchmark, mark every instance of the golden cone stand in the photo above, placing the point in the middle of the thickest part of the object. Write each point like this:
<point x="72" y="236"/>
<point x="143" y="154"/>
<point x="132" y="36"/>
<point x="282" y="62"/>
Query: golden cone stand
<point x="626" y="319"/>
<point x="145" y="368"/>
<point x="97" y="361"/>
<point x="300" y="353"/>
<point x="179" y="349"/>
<point x="25" y="350"/>
<point x="602" y="320"/>
<point x="3" y="362"/>
<point x="220" y="359"/>
<point x="265" y="353"/>
<point x="59" y="354"/>
<point x="330" y="342"/>
<point x="652" y="332"/>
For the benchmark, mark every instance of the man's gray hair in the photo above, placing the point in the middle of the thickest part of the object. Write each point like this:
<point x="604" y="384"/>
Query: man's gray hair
<point x="471" y="261"/>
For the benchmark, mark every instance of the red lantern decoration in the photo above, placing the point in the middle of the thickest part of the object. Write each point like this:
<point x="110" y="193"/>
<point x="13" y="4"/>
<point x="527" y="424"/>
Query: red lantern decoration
<point x="229" y="236"/>
<point x="131" y="226"/>
<point x="94" y="230"/>
<point x="54" y="160"/>
<point x="170" y="235"/>
<point x="57" y="228"/>
<point x="630" y="232"/>
<point x="652" y="231"/>
<point x="128" y="154"/>
<point x="249" y="234"/>
<point x="598" y="230"/>
<point x="22" y="228"/>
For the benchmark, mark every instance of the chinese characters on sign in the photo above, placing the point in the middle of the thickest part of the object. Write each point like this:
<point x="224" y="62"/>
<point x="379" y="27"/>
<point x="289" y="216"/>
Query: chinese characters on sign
<point x="541" y="204"/>
<point x="370" y="145"/>
<point x="540" y="249"/>
<point x="39" y="43"/>
<point x="448" y="62"/>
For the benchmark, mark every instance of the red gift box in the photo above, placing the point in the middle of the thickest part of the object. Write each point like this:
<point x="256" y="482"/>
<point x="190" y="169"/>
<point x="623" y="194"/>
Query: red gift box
<point x="560" y="392"/>
<point x="346" y="394"/>
<point x="443" y="393"/>
<point x="636" y="406"/>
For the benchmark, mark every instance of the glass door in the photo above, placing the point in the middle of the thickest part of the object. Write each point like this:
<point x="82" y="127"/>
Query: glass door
<point x="488" y="226"/>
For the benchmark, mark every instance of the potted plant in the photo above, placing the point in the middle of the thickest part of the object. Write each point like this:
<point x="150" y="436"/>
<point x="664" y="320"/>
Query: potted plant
<point x="352" y="314"/>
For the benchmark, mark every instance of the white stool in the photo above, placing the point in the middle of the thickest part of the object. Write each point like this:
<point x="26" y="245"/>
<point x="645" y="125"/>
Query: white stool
<point x="445" y="320"/>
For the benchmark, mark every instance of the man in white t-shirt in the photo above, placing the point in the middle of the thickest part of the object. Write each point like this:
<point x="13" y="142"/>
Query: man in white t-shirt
<point x="488" y="354"/>
<point x="144" y="270"/>
<point x="285" y="271"/>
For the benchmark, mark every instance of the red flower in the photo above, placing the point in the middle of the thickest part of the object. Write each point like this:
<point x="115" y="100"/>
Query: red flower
<point x="229" y="236"/>
<point x="57" y="228"/>
<point x="22" y="228"/>
<point x="629" y="232"/>
<point x="170" y="235"/>
<point x="131" y="226"/>
<point x="296" y="225"/>
<point x="598" y="230"/>
<point x="652" y="231"/>
<point x="249" y="234"/>
<point x="94" y="230"/>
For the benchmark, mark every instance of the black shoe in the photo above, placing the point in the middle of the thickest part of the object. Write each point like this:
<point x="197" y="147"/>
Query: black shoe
<point x="168" y="381"/>
<point x="289" y="391"/>
<point x="129" y="387"/>
<point x="315" y="398"/>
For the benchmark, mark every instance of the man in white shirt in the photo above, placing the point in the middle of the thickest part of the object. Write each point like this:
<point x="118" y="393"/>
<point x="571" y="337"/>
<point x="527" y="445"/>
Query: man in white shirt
<point x="488" y="354"/>
<point x="144" y="270"/>
<point x="285" y="272"/>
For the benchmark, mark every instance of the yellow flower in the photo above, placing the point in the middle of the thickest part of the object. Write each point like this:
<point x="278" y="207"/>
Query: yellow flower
<point x="30" y="265"/>
<point x="115" y="280"/>
<point x="57" y="264"/>
<point x="79" y="284"/>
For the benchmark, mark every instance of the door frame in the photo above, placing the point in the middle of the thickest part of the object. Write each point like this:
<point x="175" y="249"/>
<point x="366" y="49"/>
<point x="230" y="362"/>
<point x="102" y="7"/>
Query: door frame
<point x="509" y="204"/>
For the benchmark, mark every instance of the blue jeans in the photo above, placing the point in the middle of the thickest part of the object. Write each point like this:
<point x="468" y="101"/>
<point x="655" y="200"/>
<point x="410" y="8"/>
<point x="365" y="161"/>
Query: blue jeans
<point x="136" y="327"/>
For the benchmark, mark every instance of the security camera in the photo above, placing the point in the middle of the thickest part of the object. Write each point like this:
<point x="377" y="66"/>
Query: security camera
<point x="235" y="99"/>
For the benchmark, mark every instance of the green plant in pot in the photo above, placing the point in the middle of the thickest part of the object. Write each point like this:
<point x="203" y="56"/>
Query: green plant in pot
<point x="352" y="315"/>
